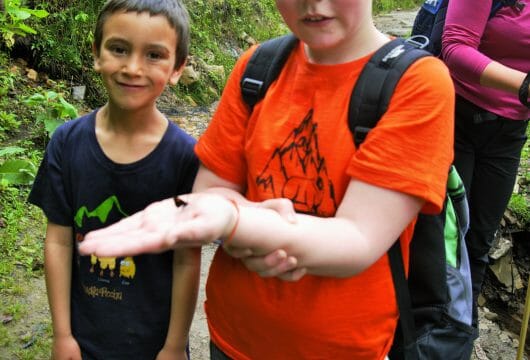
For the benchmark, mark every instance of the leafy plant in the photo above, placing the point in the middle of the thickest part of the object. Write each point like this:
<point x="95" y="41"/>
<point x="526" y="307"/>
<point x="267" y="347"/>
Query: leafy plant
<point x="12" y="20"/>
<point x="16" y="171"/>
<point x="521" y="207"/>
<point x="8" y="123"/>
<point x="56" y="110"/>
<point x="6" y="82"/>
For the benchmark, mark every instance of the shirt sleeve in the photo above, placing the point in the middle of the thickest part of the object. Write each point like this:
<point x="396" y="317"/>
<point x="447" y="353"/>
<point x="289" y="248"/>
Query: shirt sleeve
<point x="465" y="23"/>
<point x="411" y="148"/>
<point x="48" y="190"/>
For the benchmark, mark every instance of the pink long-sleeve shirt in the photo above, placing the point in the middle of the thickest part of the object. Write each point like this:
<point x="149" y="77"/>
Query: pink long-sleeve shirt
<point x="471" y="41"/>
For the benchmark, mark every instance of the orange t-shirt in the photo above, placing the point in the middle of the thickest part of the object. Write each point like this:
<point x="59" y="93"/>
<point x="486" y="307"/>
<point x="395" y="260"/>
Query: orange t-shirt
<point x="297" y="144"/>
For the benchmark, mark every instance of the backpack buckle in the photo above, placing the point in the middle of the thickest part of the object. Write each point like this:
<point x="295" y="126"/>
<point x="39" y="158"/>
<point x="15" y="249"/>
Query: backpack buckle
<point x="251" y="87"/>
<point x="418" y="41"/>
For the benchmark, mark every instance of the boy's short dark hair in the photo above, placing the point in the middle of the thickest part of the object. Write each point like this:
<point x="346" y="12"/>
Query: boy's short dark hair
<point x="174" y="11"/>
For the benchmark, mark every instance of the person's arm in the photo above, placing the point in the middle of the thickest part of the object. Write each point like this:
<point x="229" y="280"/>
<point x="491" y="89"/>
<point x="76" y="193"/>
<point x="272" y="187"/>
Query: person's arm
<point x="186" y="272"/>
<point x="58" y="271"/>
<point x="367" y="223"/>
<point x="501" y="77"/>
<point x="463" y="31"/>
<point x="278" y="262"/>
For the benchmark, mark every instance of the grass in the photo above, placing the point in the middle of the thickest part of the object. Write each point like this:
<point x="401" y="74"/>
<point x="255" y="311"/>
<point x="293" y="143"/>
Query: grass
<point x="21" y="263"/>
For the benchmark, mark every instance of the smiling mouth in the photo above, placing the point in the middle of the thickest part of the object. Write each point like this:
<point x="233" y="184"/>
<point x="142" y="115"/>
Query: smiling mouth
<point x="315" y="18"/>
<point x="129" y="85"/>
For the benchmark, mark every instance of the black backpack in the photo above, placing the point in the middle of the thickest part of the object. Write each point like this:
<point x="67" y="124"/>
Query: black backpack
<point x="435" y="302"/>
<point x="430" y="21"/>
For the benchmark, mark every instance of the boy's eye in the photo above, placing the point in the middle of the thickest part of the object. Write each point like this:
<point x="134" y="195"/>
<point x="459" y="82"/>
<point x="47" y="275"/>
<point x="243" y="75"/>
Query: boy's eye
<point x="154" y="55"/>
<point x="118" y="49"/>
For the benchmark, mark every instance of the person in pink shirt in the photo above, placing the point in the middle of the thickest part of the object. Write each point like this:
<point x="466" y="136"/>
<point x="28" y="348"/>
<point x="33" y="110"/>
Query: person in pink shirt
<point x="489" y="61"/>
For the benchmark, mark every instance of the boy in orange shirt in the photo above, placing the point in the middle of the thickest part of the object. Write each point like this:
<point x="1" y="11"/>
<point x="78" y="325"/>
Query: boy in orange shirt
<point x="350" y="205"/>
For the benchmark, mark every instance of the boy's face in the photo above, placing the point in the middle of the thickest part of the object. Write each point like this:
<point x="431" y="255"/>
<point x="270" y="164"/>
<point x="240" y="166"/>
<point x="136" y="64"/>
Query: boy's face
<point x="136" y="59"/>
<point x="326" y="26"/>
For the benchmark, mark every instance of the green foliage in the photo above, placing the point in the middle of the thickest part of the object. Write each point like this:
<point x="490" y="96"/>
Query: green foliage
<point x="69" y="25"/>
<point x="13" y="20"/>
<point x="52" y="110"/>
<point x="6" y="81"/>
<point x="21" y="260"/>
<point x="219" y="33"/>
<point x="15" y="171"/>
<point x="8" y="123"/>
<point x="18" y="246"/>
<point x="520" y="206"/>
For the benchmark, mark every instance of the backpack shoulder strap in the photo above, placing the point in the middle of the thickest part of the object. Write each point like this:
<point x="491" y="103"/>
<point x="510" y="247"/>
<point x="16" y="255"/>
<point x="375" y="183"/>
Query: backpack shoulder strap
<point x="376" y="83"/>
<point x="264" y="66"/>
<point x="368" y="102"/>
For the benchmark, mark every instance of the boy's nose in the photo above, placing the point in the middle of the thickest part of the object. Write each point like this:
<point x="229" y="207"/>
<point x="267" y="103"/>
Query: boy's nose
<point x="133" y="65"/>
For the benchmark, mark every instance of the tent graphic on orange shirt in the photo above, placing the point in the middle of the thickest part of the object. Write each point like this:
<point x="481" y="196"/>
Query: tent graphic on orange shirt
<point x="296" y="171"/>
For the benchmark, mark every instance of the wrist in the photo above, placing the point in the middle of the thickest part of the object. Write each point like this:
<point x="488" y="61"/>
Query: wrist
<point x="523" y="91"/>
<point x="234" y="224"/>
<point x="177" y="345"/>
<point x="62" y="334"/>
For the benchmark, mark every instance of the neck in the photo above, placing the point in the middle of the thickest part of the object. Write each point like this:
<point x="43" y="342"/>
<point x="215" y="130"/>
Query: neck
<point x="147" y="121"/>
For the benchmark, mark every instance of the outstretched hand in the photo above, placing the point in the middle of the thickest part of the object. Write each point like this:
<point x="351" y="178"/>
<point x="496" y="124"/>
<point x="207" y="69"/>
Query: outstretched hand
<point x="200" y="219"/>
<point x="162" y="226"/>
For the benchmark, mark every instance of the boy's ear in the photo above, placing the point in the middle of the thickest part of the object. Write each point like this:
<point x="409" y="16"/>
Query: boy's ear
<point x="175" y="75"/>
<point x="95" y="55"/>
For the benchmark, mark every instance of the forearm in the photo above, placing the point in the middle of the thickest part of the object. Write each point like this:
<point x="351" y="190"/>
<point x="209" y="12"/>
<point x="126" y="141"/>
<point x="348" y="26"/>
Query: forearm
<point x="57" y="263"/>
<point x="344" y="245"/>
<point x="186" y="273"/>
<point x="501" y="77"/>
<point x="325" y="246"/>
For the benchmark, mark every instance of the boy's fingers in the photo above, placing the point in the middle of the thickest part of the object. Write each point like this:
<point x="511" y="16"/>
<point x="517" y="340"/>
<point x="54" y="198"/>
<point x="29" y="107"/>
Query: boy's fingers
<point x="273" y="264"/>
<point x="282" y="206"/>
<point x="237" y="252"/>
<point x="294" y="275"/>
<point x="284" y="266"/>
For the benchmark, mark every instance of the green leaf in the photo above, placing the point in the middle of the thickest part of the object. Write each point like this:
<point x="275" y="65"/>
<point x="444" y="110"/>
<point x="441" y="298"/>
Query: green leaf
<point x="67" y="109"/>
<point x="51" y="95"/>
<point x="26" y="28"/>
<point x="11" y="150"/>
<point x="18" y="172"/>
<point x="40" y="13"/>
<point x="35" y="99"/>
<point x="51" y="124"/>
<point x="20" y="14"/>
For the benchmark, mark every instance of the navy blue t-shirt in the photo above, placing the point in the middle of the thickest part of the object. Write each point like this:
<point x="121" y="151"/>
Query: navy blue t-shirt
<point x="120" y="307"/>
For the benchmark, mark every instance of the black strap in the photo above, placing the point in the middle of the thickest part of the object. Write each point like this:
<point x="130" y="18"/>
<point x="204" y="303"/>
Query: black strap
<point x="406" y="318"/>
<point x="369" y="100"/>
<point x="376" y="84"/>
<point x="264" y="66"/>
